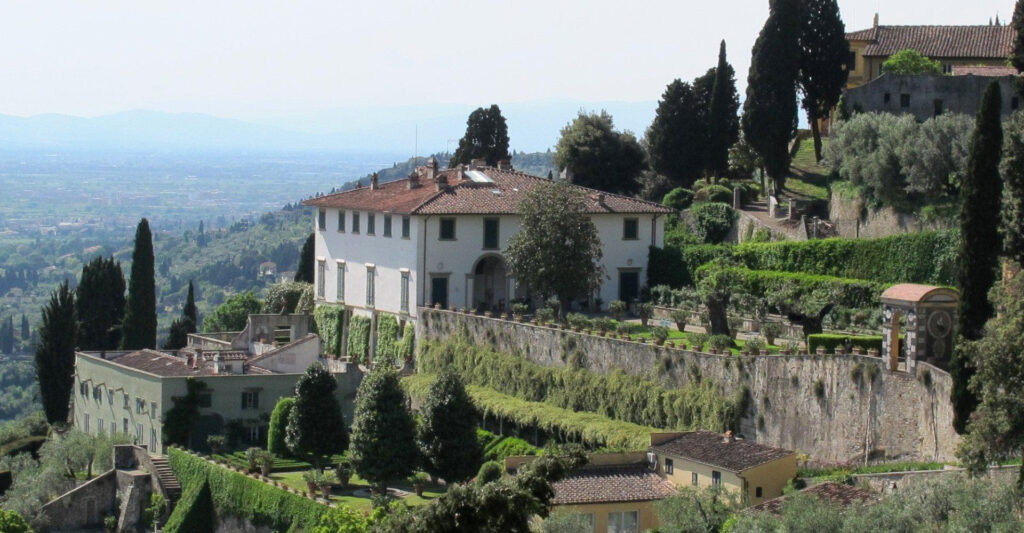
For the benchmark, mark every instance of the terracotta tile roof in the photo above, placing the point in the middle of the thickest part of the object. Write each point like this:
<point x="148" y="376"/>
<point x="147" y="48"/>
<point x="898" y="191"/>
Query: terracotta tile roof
<point x="712" y="449"/>
<point x="968" y="42"/>
<point x="983" y="70"/>
<point x="501" y="195"/>
<point x="838" y="493"/>
<point x="912" y="292"/>
<point x="155" y="362"/>
<point x="607" y="484"/>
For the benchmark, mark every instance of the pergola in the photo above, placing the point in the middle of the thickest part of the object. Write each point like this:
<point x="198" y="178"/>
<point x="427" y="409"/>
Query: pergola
<point x="931" y="315"/>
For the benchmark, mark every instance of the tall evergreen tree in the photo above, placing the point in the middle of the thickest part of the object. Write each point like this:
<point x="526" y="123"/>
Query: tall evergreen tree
<point x="676" y="138"/>
<point x="189" y="311"/>
<point x="1017" y="54"/>
<point x="486" y="138"/>
<point x="55" y="354"/>
<point x="307" y="256"/>
<point x="447" y="436"/>
<point x="24" y="328"/>
<point x="383" y="431"/>
<point x="596" y="156"/>
<point x="824" y="53"/>
<point x="139" y="329"/>
<point x="1012" y="171"/>
<point x="980" y="195"/>
<point x="770" y="110"/>
<point x="723" y="118"/>
<point x="7" y="336"/>
<point x="100" y="303"/>
<point x="316" y="427"/>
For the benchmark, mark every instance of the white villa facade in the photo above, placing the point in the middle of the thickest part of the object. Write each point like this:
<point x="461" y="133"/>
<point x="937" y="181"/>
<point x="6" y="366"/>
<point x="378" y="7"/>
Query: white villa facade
<point x="437" y="237"/>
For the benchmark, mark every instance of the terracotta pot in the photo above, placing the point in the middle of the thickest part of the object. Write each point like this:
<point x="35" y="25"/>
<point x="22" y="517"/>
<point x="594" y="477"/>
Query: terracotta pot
<point x="266" y="469"/>
<point x="437" y="306"/>
<point x="873" y="352"/>
<point x="311" y="488"/>
<point x="659" y="342"/>
<point x="418" y="487"/>
<point x="326" y="491"/>
<point x="764" y="352"/>
<point x="670" y="344"/>
<point x="857" y="350"/>
<point x="820" y="350"/>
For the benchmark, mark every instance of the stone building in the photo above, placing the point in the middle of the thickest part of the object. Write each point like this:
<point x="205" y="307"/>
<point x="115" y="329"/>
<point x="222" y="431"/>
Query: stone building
<point x="929" y="96"/>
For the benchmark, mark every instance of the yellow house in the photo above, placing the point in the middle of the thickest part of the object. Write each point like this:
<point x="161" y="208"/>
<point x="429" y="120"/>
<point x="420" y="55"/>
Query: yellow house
<point x="949" y="45"/>
<point x="704" y="458"/>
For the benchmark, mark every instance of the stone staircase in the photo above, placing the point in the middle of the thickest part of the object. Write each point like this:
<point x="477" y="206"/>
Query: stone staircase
<point x="168" y="481"/>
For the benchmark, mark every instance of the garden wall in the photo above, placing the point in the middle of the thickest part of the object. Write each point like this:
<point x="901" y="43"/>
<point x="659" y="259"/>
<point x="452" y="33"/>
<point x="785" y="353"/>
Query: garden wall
<point x="833" y="408"/>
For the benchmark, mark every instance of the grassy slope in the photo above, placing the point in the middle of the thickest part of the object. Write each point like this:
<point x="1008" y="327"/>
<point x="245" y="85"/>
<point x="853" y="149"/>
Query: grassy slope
<point x="807" y="178"/>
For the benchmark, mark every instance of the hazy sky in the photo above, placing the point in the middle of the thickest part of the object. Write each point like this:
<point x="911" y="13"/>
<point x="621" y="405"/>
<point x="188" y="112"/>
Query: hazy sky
<point x="259" y="59"/>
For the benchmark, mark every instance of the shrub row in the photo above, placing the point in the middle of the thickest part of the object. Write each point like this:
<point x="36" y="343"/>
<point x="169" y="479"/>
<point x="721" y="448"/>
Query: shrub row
<point x="831" y="341"/>
<point x="241" y="495"/>
<point x="619" y="396"/>
<point x="795" y="286"/>
<point x="498" y="447"/>
<point x="589" y="428"/>
<point x="677" y="266"/>
<point x="193" y="512"/>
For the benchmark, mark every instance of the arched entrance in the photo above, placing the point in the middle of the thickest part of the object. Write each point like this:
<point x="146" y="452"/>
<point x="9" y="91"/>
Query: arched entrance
<point x="490" y="284"/>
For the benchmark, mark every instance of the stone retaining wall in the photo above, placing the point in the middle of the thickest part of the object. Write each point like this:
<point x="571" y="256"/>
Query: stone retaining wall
<point x="824" y="406"/>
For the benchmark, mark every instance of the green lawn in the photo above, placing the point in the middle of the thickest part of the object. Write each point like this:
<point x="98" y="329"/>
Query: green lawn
<point x="360" y="503"/>
<point x="808" y="178"/>
<point x="281" y="464"/>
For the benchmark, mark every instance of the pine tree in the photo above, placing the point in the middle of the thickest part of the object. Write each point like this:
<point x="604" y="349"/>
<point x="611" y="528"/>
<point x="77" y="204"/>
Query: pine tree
<point x="55" y="354"/>
<point x="316" y="427"/>
<point x="447" y="436"/>
<point x="1012" y="172"/>
<point x="723" y="118"/>
<point x="383" y="431"/>
<point x="304" y="272"/>
<point x="486" y="138"/>
<point x="100" y="303"/>
<point x="980" y="245"/>
<point x="676" y="139"/>
<point x="824" y="53"/>
<point x="1017" y="23"/>
<point x="770" y="111"/>
<point x="139" y="330"/>
<point x="597" y="156"/>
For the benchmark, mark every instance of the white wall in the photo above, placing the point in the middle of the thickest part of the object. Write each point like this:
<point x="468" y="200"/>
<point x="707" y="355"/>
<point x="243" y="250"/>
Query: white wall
<point x="626" y="254"/>
<point x="389" y="255"/>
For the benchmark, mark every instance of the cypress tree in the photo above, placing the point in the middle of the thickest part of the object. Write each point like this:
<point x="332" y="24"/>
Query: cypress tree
<point x="486" y="138"/>
<point x="316" y="427"/>
<point x="383" y="431"/>
<point x="1012" y="171"/>
<point x="7" y="336"/>
<point x="447" y="436"/>
<point x="824" y="53"/>
<point x="304" y="272"/>
<point x="177" y="336"/>
<point x="55" y="354"/>
<point x="139" y="329"/>
<point x="770" y="111"/>
<point x="980" y="245"/>
<point x="723" y="120"/>
<point x="24" y="328"/>
<point x="189" y="310"/>
<point x="278" y="427"/>
<point x="100" y="303"/>
<point x="676" y="138"/>
<point x="1017" y="55"/>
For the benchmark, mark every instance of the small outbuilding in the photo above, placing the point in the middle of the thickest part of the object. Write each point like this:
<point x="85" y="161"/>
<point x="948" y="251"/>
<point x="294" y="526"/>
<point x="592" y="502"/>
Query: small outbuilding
<point x="930" y="313"/>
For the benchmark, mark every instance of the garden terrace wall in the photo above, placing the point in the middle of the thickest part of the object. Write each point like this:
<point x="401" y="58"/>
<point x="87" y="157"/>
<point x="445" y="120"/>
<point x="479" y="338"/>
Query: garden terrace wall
<point x="824" y="406"/>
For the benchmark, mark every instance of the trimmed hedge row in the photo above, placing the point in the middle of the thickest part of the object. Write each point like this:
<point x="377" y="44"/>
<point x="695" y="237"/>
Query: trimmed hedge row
<point x="241" y="495"/>
<point x="830" y="341"/>
<point x="592" y="429"/>
<point x="619" y="396"/>
<point x="498" y="447"/>
<point x="194" y="511"/>
<point x="677" y="267"/>
<point x="845" y="292"/>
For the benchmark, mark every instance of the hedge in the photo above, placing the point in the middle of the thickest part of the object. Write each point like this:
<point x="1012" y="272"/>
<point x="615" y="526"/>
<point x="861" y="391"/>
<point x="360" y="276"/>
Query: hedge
<point x="330" y="322"/>
<point x="618" y="396"/>
<point x="359" y="339"/>
<point x="830" y="341"/>
<point x="676" y="266"/>
<point x="844" y="292"/>
<point x="387" y="338"/>
<point x="240" y="495"/>
<point x="498" y="447"/>
<point x="407" y="345"/>
<point x="193" y="512"/>
<point x="592" y="429"/>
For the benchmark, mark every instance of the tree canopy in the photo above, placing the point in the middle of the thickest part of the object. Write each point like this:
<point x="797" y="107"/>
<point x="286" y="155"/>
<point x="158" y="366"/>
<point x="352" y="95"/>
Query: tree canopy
<point x="596" y="156"/>
<point x="486" y="138"/>
<point x="676" y="140"/>
<point x="910" y="62"/>
<point x="1017" y="55"/>
<point x="304" y="271"/>
<point x="316" y="427"/>
<point x="447" y="435"/>
<point x="824" y="53"/>
<point x="139" y="329"/>
<point x="1012" y="171"/>
<point x="233" y="314"/>
<point x="383" y="432"/>
<point x="557" y="249"/>
<point x="723" y="116"/>
<point x="100" y="304"/>
<point x="55" y="354"/>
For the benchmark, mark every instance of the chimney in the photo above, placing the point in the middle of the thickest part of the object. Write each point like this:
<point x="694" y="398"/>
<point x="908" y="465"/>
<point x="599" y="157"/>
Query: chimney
<point x="876" y="21"/>
<point x="414" y="180"/>
<point x="442" y="182"/>
<point x="477" y="163"/>
<point x="504" y="164"/>
<point x="373" y="182"/>
<point x="600" y="198"/>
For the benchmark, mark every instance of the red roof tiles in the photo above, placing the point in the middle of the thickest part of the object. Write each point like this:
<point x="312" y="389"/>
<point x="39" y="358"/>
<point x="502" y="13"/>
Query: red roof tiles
<point x="988" y="71"/>
<point x="843" y="495"/>
<point x="633" y="483"/>
<point x="965" y="42"/>
<point x="714" y="449"/>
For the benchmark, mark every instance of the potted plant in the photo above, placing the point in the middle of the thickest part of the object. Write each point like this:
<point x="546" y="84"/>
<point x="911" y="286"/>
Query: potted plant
<point x="646" y="311"/>
<point x="266" y="461"/>
<point x="820" y="350"/>
<point x="312" y="479"/>
<point x="670" y="344"/>
<point x="519" y="311"/>
<point x="840" y="350"/>
<point x="679" y="317"/>
<point x="488" y="314"/>
<point x="252" y="455"/>
<point x="437" y="306"/>
<point x="325" y="481"/>
<point x="504" y="315"/>
<point x="642" y="340"/>
<point x="699" y="341"/>
<point x="216" y="443"/>
<point x="771" y="330"/>
<point x="419" y="481"/>
<point x="873" y="352"/>
<point x="343" y="472"/>
<point x="617" y="308"/>
<point x="857" y="350"/>
<point x="659" y="334"/>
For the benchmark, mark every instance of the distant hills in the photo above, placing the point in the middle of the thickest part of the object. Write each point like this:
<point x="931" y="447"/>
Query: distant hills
<point x="424" y="129"/>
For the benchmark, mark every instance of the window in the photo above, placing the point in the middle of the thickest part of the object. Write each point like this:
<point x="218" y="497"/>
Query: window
<point x="321" y="267"/>
<point x="97" y="393"/>
<point x="113" y="427"/>
<point x="251" y="399"/>
<point x="341" y="221"/>
<point x="630" y="229"/>
<point x="490" y="234"/>
<point x="83" y="389"/>
<point x="947" y="68"/>
<point x="851" y="61"/>
<point x="371" y="223"/>
<point x="904" y="100"/>
<point x="341" y="282"/>
<point x="205" y="400"/>
<point x="85" y="422"/>
<point x="938" y="107"/>
<point x="125" y="426"/>
<point x="100" y="426"/>
<point x="758" y="492"/>
<point x="110" y="397"/>
<point x="447" y="229"/>
<point x="1014" y="103"/>
<point x="152" y="439"/>
<point x="369" y="286"/>
<point x="140" y="406"/>
<point x="405" y="292"/>
<point x="126" y="407"/>
<point x="138" y="433"/>
<point x="254" y="434"/>
<point x="387" y="225"/>
<point x="623" y="522"/>
<point x="669" y="466"/>
<point x="886" y="98"/>
<point x="693" y="479"/>
<point x="152" y="409"/>
<point x="355" y="221"/>
<point x="716" y="478"/>
<point x="321" y="219"/>
<point x="405" y="227"/>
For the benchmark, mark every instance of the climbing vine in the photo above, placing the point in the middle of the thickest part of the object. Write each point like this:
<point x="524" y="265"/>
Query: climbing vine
<point x="359" y="339"/>
<point x="330" y="321"/>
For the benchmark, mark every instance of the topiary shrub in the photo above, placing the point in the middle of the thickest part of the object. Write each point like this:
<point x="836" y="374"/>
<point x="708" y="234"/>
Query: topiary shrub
<point x="713" y="194"/>
<point x="278" y="423"/>
<point x="721" y="343"/>
<point x="678" y="198"/>
<point x="489" y="471"/>
<point x="712" y="221"/>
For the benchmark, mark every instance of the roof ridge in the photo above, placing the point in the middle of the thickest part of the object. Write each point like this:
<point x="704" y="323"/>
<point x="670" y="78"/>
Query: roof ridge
<point x="591" y="189"/>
